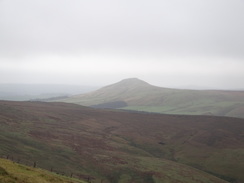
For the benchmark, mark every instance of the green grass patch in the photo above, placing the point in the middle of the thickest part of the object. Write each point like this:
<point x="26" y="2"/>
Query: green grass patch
<point x="11" y="172"/>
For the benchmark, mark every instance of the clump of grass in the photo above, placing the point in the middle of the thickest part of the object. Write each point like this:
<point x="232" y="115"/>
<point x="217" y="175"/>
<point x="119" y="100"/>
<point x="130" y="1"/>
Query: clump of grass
<point x="3" y="172"/>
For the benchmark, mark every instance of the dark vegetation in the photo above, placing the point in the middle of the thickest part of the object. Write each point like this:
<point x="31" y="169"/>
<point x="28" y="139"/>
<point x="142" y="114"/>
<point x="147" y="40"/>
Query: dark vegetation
<point x="111" y="105"/>
<point x="120" y="146"/>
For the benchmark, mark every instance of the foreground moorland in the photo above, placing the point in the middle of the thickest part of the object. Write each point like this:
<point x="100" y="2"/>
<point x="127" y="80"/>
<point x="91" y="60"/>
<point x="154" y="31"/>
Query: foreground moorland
<point x="11" y="172"/>
<point x="119" y="146"/>
<point x="135" y="94"/>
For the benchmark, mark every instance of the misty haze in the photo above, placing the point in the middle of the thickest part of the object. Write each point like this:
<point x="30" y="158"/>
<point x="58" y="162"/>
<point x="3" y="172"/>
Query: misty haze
<point x="122" y="91"/>
<point x="166" y="43"/>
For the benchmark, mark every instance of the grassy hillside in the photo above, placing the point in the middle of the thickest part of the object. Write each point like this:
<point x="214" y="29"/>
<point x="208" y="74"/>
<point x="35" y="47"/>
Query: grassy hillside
<point x="135" y="94"/>
<point x="115" y="146"/>
<point x="11" y="172"/>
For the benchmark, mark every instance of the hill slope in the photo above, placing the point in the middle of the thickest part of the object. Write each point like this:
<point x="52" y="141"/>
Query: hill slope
<point x="123" y="146"/>
<point x="134" y="94"/>
<point x="11" y="172"/>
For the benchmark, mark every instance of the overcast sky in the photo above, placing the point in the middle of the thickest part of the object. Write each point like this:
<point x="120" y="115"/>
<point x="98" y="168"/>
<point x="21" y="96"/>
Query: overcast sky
<point x="169" y="43"/>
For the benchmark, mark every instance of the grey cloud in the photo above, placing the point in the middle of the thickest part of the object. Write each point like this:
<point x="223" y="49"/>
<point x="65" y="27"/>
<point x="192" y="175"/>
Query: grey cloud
<point x="192" y="27"/>
<point x="146" y="32"/>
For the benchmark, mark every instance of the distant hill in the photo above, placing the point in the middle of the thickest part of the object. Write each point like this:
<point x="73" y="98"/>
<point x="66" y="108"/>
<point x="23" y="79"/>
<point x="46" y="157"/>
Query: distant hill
<point x="23" y="92"/>
<point x="135" y="94"/>
<point x="11" y="172"/>
<point x="117" y="146"/>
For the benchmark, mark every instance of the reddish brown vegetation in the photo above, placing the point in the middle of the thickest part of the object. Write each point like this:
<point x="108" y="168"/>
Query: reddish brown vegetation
<point x="100" y="137"/>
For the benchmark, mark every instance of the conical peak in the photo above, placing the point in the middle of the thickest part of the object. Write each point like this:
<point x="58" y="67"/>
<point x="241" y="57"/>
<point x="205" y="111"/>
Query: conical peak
<point x="132" y="81"/>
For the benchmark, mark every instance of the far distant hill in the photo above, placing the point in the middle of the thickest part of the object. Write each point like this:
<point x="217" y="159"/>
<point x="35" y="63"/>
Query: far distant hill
<point x="135" y="94"/>
<point x="22" y="92"/>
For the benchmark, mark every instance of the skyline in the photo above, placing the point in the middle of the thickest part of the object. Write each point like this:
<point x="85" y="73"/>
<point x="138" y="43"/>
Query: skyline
<point x="175" y="44"/>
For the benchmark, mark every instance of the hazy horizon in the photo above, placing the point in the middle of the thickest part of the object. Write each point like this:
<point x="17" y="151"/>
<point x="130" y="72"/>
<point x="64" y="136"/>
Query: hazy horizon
<point x="75" y="88"/>
<point x="174" y="44"/>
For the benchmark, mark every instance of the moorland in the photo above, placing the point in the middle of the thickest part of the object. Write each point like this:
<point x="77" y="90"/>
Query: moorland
<point x="122" y="146"/>
<point x="12" y="172"/>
